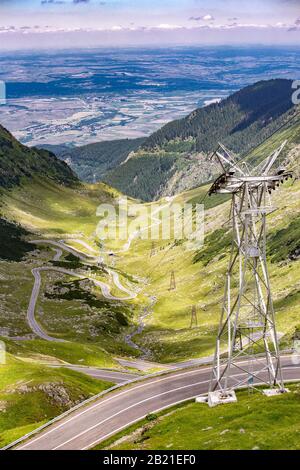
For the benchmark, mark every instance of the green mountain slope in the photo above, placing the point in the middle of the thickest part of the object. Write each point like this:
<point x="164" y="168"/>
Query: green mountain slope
<point x="239" y="120"/>
<point x="95" y="328"/>
<point x="18" y="161"/>
<point x="19" y="164"/>
<point x="31" y="394"/>
<point x="40" y="197"/>
<point x="250" y="424"/>
<point x="200" y="274"/>
<point x="90" y="162"/>
<point x="175" y="158"/>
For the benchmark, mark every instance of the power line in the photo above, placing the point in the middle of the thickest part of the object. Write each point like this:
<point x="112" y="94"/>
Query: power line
<point x="160" y="260"/>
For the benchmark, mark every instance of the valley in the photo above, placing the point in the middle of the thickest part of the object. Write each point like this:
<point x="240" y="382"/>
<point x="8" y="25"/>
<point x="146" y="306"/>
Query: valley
<point x="70" y="299"/>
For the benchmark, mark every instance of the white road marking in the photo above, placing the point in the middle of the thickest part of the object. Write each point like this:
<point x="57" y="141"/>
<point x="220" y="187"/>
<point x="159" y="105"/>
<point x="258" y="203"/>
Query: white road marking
<point x="89" y="446"/>
<point x="101" y="403"/>
<point x="124" y="392"/>
<point x="130" y="407"/>
<point x="136" y="421"/>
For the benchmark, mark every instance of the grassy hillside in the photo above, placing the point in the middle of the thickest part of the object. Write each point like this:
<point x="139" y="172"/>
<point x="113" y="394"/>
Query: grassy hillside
<point x="175" y="158"/>
<point x="75" y="310"/>
<point x="250" y="424"/>
<point x="13" y="246"/>
<point x="200" y="274"/>
<point x="68" y="308"/>
<point x="95" y="329"/>
<point x="42" y="206"/>
<point x="92" y="327"/>
<point x="32" y="394"/>
<point x="18" y="161"/>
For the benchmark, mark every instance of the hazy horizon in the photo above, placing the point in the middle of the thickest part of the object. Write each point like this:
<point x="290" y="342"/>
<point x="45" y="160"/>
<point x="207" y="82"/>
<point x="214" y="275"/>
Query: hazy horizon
<point x="58" y="24"/>
<point x="85" y="95"/>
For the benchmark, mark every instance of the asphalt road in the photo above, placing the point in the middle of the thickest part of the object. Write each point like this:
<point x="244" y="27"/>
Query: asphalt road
<point x="105" y="288"/>
<point x="59" y="246"/>
<point x="114" y="376"/>
<point x="94" y="423"/>
<point x="63" y="246"/>
<point x="35" y="327"/>
<point x="144" y="366"/>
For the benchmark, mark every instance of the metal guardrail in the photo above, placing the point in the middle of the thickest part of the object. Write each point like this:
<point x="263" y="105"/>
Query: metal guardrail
<point x="103" y="393"/>
<point x="74" y="408"/>
<point x="87" y="401"/>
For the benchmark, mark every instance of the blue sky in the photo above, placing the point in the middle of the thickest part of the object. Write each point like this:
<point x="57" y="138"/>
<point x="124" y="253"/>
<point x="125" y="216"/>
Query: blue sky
<point x="63" y="23"/>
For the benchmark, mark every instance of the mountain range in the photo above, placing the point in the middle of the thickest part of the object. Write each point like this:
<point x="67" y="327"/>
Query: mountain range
<point x="91" y="162"/>
<point x="176" y="157"/>
<point x="18" y="161"/>
<point x="46" y="211"/>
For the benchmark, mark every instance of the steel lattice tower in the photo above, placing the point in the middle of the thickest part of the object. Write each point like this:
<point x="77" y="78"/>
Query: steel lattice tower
<point x="194" y="319"/>
<point x="172" y="281"/>
<point x="247" y="350"/>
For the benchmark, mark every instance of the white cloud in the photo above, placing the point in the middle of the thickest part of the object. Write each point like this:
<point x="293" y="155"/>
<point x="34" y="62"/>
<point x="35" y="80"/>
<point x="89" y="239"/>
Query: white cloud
<point x="25" y="29"/>
<point x="168" y="26"/>
<point x="206" y="17"/>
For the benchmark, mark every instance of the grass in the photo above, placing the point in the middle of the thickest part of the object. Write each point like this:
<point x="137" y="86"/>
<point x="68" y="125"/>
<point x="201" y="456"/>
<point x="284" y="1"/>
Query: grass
<point x="54" y="210"/>
<point x="254" y="422"/>
<point x="86" y="318"/>
<point x="70" y="352"/>
<point x="283" y="244"/>
<point x="31" y="394"/>
<point x="200" y="278"/>
<point x="13" y="247"/>
<point x="216" y="244"/>
<point x="95" y="328"/>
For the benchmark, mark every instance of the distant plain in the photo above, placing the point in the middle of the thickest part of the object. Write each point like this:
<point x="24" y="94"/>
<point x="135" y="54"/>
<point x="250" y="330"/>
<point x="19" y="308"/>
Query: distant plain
<point x="79" y="97"/>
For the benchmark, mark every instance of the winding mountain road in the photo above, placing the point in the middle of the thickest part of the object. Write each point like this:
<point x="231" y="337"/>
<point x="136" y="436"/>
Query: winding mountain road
<point x="105" y="288"/>
<point x="63" y="246"/>
<point x="59" y="247"/>
<point x="87" y="426"/>
<point x="92" y="423"/>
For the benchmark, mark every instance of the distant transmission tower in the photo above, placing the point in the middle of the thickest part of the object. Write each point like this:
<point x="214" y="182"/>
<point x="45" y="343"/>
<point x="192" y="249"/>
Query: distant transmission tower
<point x="194" y="320"/>
<point x="247" y="350"/>
<point x="172" y="281"/>
<point x="152" y="252"/>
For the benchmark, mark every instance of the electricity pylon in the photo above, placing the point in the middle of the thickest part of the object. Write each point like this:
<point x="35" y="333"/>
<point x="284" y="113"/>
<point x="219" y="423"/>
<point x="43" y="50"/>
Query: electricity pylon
<point x="172" y="281"/>
<point x="194" y="320"/>
<point x="152" y="252"/>
<point x="247" y="350"/>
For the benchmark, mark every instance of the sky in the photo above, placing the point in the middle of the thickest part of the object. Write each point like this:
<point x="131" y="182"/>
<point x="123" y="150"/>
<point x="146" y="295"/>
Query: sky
<point x="92" y="23"/>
